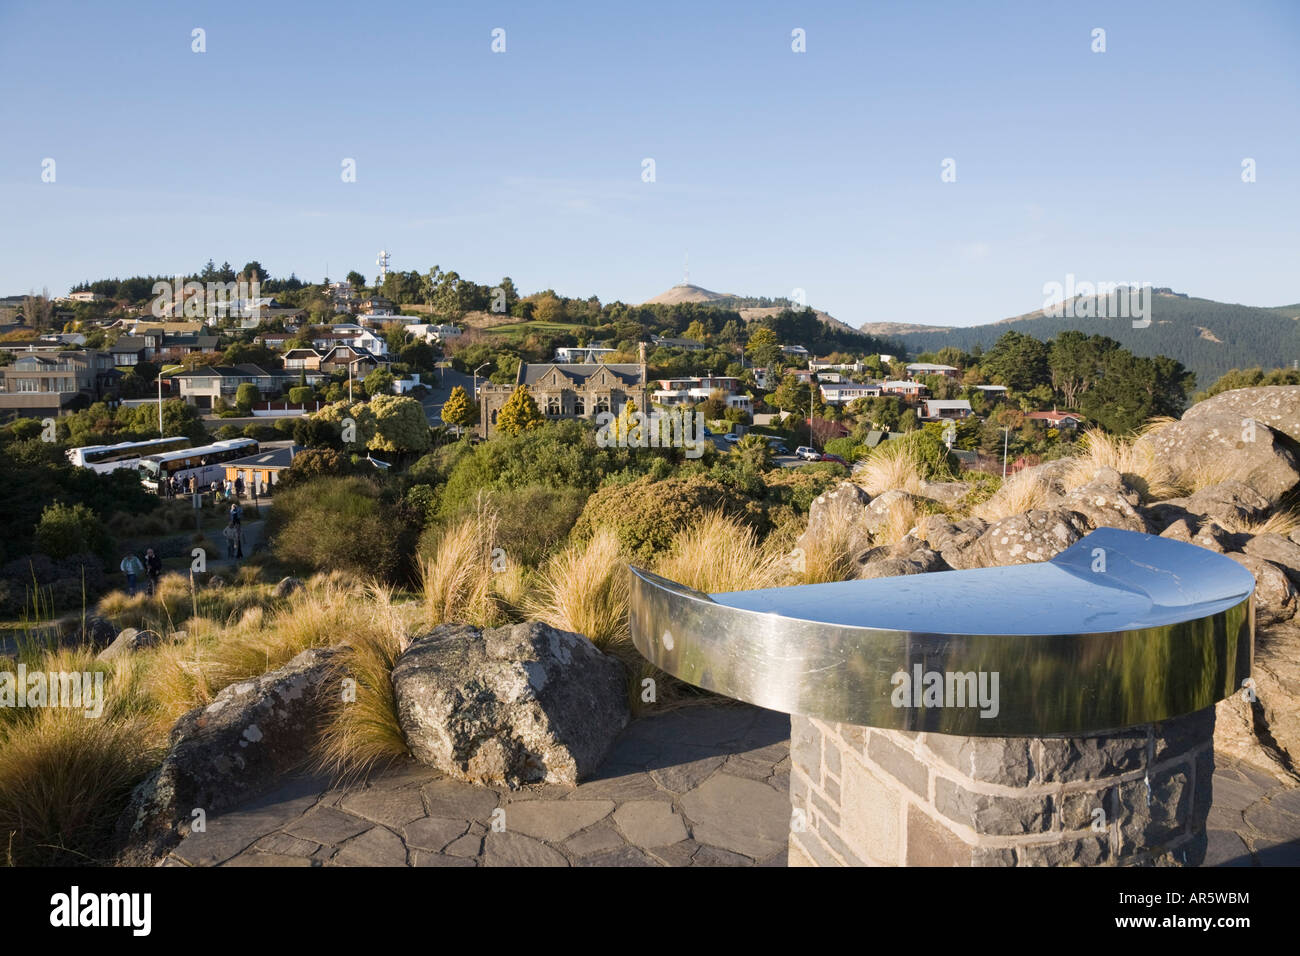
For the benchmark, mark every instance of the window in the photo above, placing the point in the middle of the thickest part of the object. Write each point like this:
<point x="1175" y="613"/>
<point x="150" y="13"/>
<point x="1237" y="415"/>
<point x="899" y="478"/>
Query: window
<point x="602" y="404"/>
<point x="579" y="405"/>
<point x="553" y="405"/>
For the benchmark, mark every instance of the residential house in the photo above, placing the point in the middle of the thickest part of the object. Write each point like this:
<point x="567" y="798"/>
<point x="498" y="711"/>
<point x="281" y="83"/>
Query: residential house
<point x="129" y="351"/>
<point x="202" y="386"/>
<point x="40" y="384"/>
<point x="1055" y="419"/>
<point x="341" y="358"/>
<point x="798" y="351"/>
<point x="847" y="393"/>
<point x="302" y="360"/>
<point x="906" y="390"/>
<point x="689" y="345"/>
<point x="576" y="354"/>
<point x="684" y="391"/>
<point x="954" y="409"/>
<point x="917" y="369"/>
<point x="564" y="390"/>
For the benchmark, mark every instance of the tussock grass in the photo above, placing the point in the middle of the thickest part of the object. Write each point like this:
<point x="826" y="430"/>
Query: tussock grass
<point x="720" y="553"/>
<point x="365" y="733"/>
<point x="892" y="465"/>
<point x="899" y="520"/>
<point x="1280" y="522"/>
<point x="1023" y="491"/>
<point x="457" y="580"/>
<point x="584" y="588"/>
<point x="1154" y="479"/>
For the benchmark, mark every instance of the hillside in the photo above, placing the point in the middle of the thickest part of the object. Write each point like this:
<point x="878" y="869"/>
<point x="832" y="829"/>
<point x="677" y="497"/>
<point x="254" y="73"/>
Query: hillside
<point x="1208" y="337"/>
<point x="686" y="293"/>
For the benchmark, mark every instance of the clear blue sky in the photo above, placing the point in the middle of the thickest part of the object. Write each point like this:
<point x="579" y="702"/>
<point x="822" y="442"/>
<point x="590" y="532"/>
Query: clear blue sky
<point x="775" y="170"/>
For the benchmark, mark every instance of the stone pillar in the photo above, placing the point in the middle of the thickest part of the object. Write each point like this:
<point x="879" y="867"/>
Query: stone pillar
<point x="868" y="797"/>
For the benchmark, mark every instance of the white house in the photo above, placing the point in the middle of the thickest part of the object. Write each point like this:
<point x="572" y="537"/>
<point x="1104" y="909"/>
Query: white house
<point x="847" y="392"/>
<point x="945" y="408"/>
<point x="579" y="355"/>
<point x="928" y="368"/>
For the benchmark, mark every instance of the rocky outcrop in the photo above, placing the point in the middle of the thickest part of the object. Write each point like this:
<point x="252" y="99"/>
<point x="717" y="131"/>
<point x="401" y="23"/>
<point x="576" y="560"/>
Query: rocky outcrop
<point x="880" y="513"/>
<point x="945" y="492"/>
<point x="220" y="755"/>
<point x="908" y="556"/>
<point x="952" y="540"/>
<point x="1275" y="406"/>
<point x="128" y="642"/>
<point x="1106" y="501"/>
<point x="1275" y="595"/>
<point x="1261" y="460"/>
<point x="840" y="511"/>
<point x="1037" y="535"/>
<point x="1277" y="550"/>
<point x="1230" y="503"/>
<point x="1202" y="532"/>
<point x="510" y="705"/>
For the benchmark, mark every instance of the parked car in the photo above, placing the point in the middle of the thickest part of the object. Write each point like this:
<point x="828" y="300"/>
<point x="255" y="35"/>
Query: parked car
<point x="835" y="458"/>
<point x="731" y="437"/>
<point x="807" y="454"/>
<point x="779" y="449"/>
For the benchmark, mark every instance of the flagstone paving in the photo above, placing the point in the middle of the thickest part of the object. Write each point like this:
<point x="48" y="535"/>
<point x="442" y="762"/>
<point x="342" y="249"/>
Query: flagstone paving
<point x="702" y="786"/>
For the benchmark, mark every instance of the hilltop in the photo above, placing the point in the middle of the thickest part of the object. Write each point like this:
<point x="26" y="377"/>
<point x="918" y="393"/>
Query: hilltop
<point x="751" y="309"/>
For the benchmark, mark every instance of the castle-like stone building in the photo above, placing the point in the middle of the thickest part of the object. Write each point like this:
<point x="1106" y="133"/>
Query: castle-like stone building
<point x="564" y="390"/>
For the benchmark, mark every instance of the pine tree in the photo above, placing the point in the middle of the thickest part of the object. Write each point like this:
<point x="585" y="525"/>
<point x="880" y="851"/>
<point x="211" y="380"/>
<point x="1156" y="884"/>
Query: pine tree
<point x="457" y="409"/>
<point x="519" y="413"/>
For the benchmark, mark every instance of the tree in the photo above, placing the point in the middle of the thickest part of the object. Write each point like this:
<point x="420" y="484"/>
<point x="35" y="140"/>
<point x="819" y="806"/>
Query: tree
<point x="696" y="331"/>
<point x="65" y="530"/>
<point x="519" y="413"/>
<point x="356" y="280"/>
<point x="246" y="396"/>
<point x="1017" y="361"/>
<point x="458" y="410"/>
<point x="254" y="271"/>
<point x="754" y="451"/>
<point x="763" y="347"/>
<point x="548" y="308"/>
<point x="379" y="382"/>
<point x="400" y="425"/>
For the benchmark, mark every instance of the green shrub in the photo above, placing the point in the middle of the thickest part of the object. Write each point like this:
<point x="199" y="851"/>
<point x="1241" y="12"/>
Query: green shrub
<point x="65" y="530"/>
<point x="339" y="524"/>
<point x="246" y="396"/>
<point x="301" y="394"/>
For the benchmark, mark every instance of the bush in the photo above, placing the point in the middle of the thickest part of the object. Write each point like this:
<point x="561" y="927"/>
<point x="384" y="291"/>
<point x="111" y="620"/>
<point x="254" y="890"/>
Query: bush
<point x="338" y="524"/>
<point x="301" y="394"/>
<point x="246" y="396"/>
<point x="647" y="515"/>
<point x="312" y="463"/>
<point x="532" y="521"/>
<point x="71" y="529"/>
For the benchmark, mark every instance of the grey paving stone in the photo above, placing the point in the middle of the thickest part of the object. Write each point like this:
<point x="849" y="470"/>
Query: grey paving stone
<point x="1273" y="823"/>
<point x="403" y="775"/>
<point x="1287" y="800"/>
<point x="456" y="800"/>
<point x="256" y="858"/>
<point x="515" y="849"/>
<point x="745" y="767"/>
<point x="1284" y="853"/>
<point x="555" y="820"/>
<point x="623" y="856"/>
<point x="679" y="854"/>
<point x="1233" y="793"/>
<point x="628" y="786"/>
<point x="687" y="775"/>
<point x="327" y="826"/>
<point x="470" y="845"/>
<point x="235" y="832"/>
<point x="433" y="833"/>
<point x="716" y="856"/>
<point x="283" y="843"/>
<point x="376" y="847"/>
<point x="740" y="815"/>
<point x="650" y="823"/>
<point x="424" y="858"/>
<point x="392" y="808"/>
<point x="1225" y="848"/>
<point x="595" y="839"/>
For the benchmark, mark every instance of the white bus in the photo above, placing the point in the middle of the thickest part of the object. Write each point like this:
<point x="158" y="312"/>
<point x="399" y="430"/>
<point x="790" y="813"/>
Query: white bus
<point x="105" y="458"/>
<point x="206" y="464"/>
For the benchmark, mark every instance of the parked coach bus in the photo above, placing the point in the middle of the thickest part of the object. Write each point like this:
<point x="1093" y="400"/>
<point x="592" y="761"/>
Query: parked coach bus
<point x="105" y="458"/>
<point x="207" y="463"/>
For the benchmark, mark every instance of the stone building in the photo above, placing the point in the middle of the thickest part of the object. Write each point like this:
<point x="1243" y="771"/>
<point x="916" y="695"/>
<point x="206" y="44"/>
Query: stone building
<point x="567" y="391"/>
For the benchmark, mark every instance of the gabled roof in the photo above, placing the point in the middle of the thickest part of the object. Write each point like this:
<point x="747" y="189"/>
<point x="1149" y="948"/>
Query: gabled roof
<point x="580" y="373"/>
<point x="128" y="343"/>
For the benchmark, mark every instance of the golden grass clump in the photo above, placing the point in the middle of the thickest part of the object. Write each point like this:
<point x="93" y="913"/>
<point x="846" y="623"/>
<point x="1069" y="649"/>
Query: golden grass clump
<point x="362" y="730"/>
<point x="457" y="581"/>
<point x="1021" y="492"/>
<point x="719" y="553"/>
<point x="901" y="518"/>
<point x="584" y="588"/>
<point x="893" y="465"/>
<point x="1154" y="479"/>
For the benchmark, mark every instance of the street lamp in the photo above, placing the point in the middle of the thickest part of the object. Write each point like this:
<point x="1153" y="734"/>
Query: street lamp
<point x="350" y="364"/>
<point x="160" y="421"/>
<point x="474" y="397"/>
<point x="1006" y="431"/>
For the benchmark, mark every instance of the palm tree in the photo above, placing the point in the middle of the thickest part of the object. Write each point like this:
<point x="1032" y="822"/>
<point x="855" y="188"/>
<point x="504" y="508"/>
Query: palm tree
<point x="755" y="451"/>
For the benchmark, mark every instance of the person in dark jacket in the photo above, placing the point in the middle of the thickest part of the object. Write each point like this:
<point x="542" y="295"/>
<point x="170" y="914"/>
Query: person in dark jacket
<point x="153" y="569"/>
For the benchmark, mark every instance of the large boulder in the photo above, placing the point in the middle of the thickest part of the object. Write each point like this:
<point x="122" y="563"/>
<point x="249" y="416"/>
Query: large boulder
<point x="1106" y="501"/>
<point x="945" y="492"/>
<point x="880" y="513"/>
<point x="1037" y="535"/>
<point x="1202" y="532"/>
<point x="1278" y="550"/>
<point x="1275" y="595"/>
<point x="510" y="705"/>
<point x="1276" y="406"/>
<point x="287" y="586"/>
<point x="1262" y="727"/>
<point x="1254" y="452"/>
<point x="238" y="746"/>
<point x="1231" y="503"/>
<point x="839" y="511"/>
<point x="953" y="541"/>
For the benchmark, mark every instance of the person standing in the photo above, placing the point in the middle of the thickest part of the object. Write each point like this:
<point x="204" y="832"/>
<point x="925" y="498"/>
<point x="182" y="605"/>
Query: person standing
<point x="231" y="534"/>
<point x="239" y="486"/>
<point x="131" y="567"/>
<point x="152" y="568"/>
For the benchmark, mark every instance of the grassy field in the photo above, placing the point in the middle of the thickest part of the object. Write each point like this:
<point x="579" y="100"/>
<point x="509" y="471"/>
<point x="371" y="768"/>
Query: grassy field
<point x="535" y="326"/>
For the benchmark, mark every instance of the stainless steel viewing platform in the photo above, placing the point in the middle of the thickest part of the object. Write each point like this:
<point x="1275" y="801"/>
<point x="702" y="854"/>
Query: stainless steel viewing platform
<point x="1120" y="629"/>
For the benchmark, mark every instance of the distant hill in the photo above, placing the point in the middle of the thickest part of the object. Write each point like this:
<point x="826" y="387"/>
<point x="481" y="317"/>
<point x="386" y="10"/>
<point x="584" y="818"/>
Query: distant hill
<point x="751" y="309"/>
<point x="1208" y="337"/>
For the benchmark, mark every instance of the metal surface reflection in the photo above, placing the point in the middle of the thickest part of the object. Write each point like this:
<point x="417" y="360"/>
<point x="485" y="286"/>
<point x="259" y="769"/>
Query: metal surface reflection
<point x="1119" y="629"/>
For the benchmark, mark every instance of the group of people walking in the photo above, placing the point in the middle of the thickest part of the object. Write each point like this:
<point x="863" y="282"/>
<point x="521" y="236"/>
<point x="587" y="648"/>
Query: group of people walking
<point x="150" y="569"/>
<point x="221" y="490"/>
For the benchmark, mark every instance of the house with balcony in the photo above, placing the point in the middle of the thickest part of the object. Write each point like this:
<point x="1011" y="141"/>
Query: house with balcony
<point x="47" y="384"/>
<point x="202" y="386"/>
<point x="908" y="391"/>
<point x="340" y="358"/>
<point x="917" y="369"/>
<point x="845" y="393"/>
<point x="933" y="409"/>
<point x="688" y="391"/>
